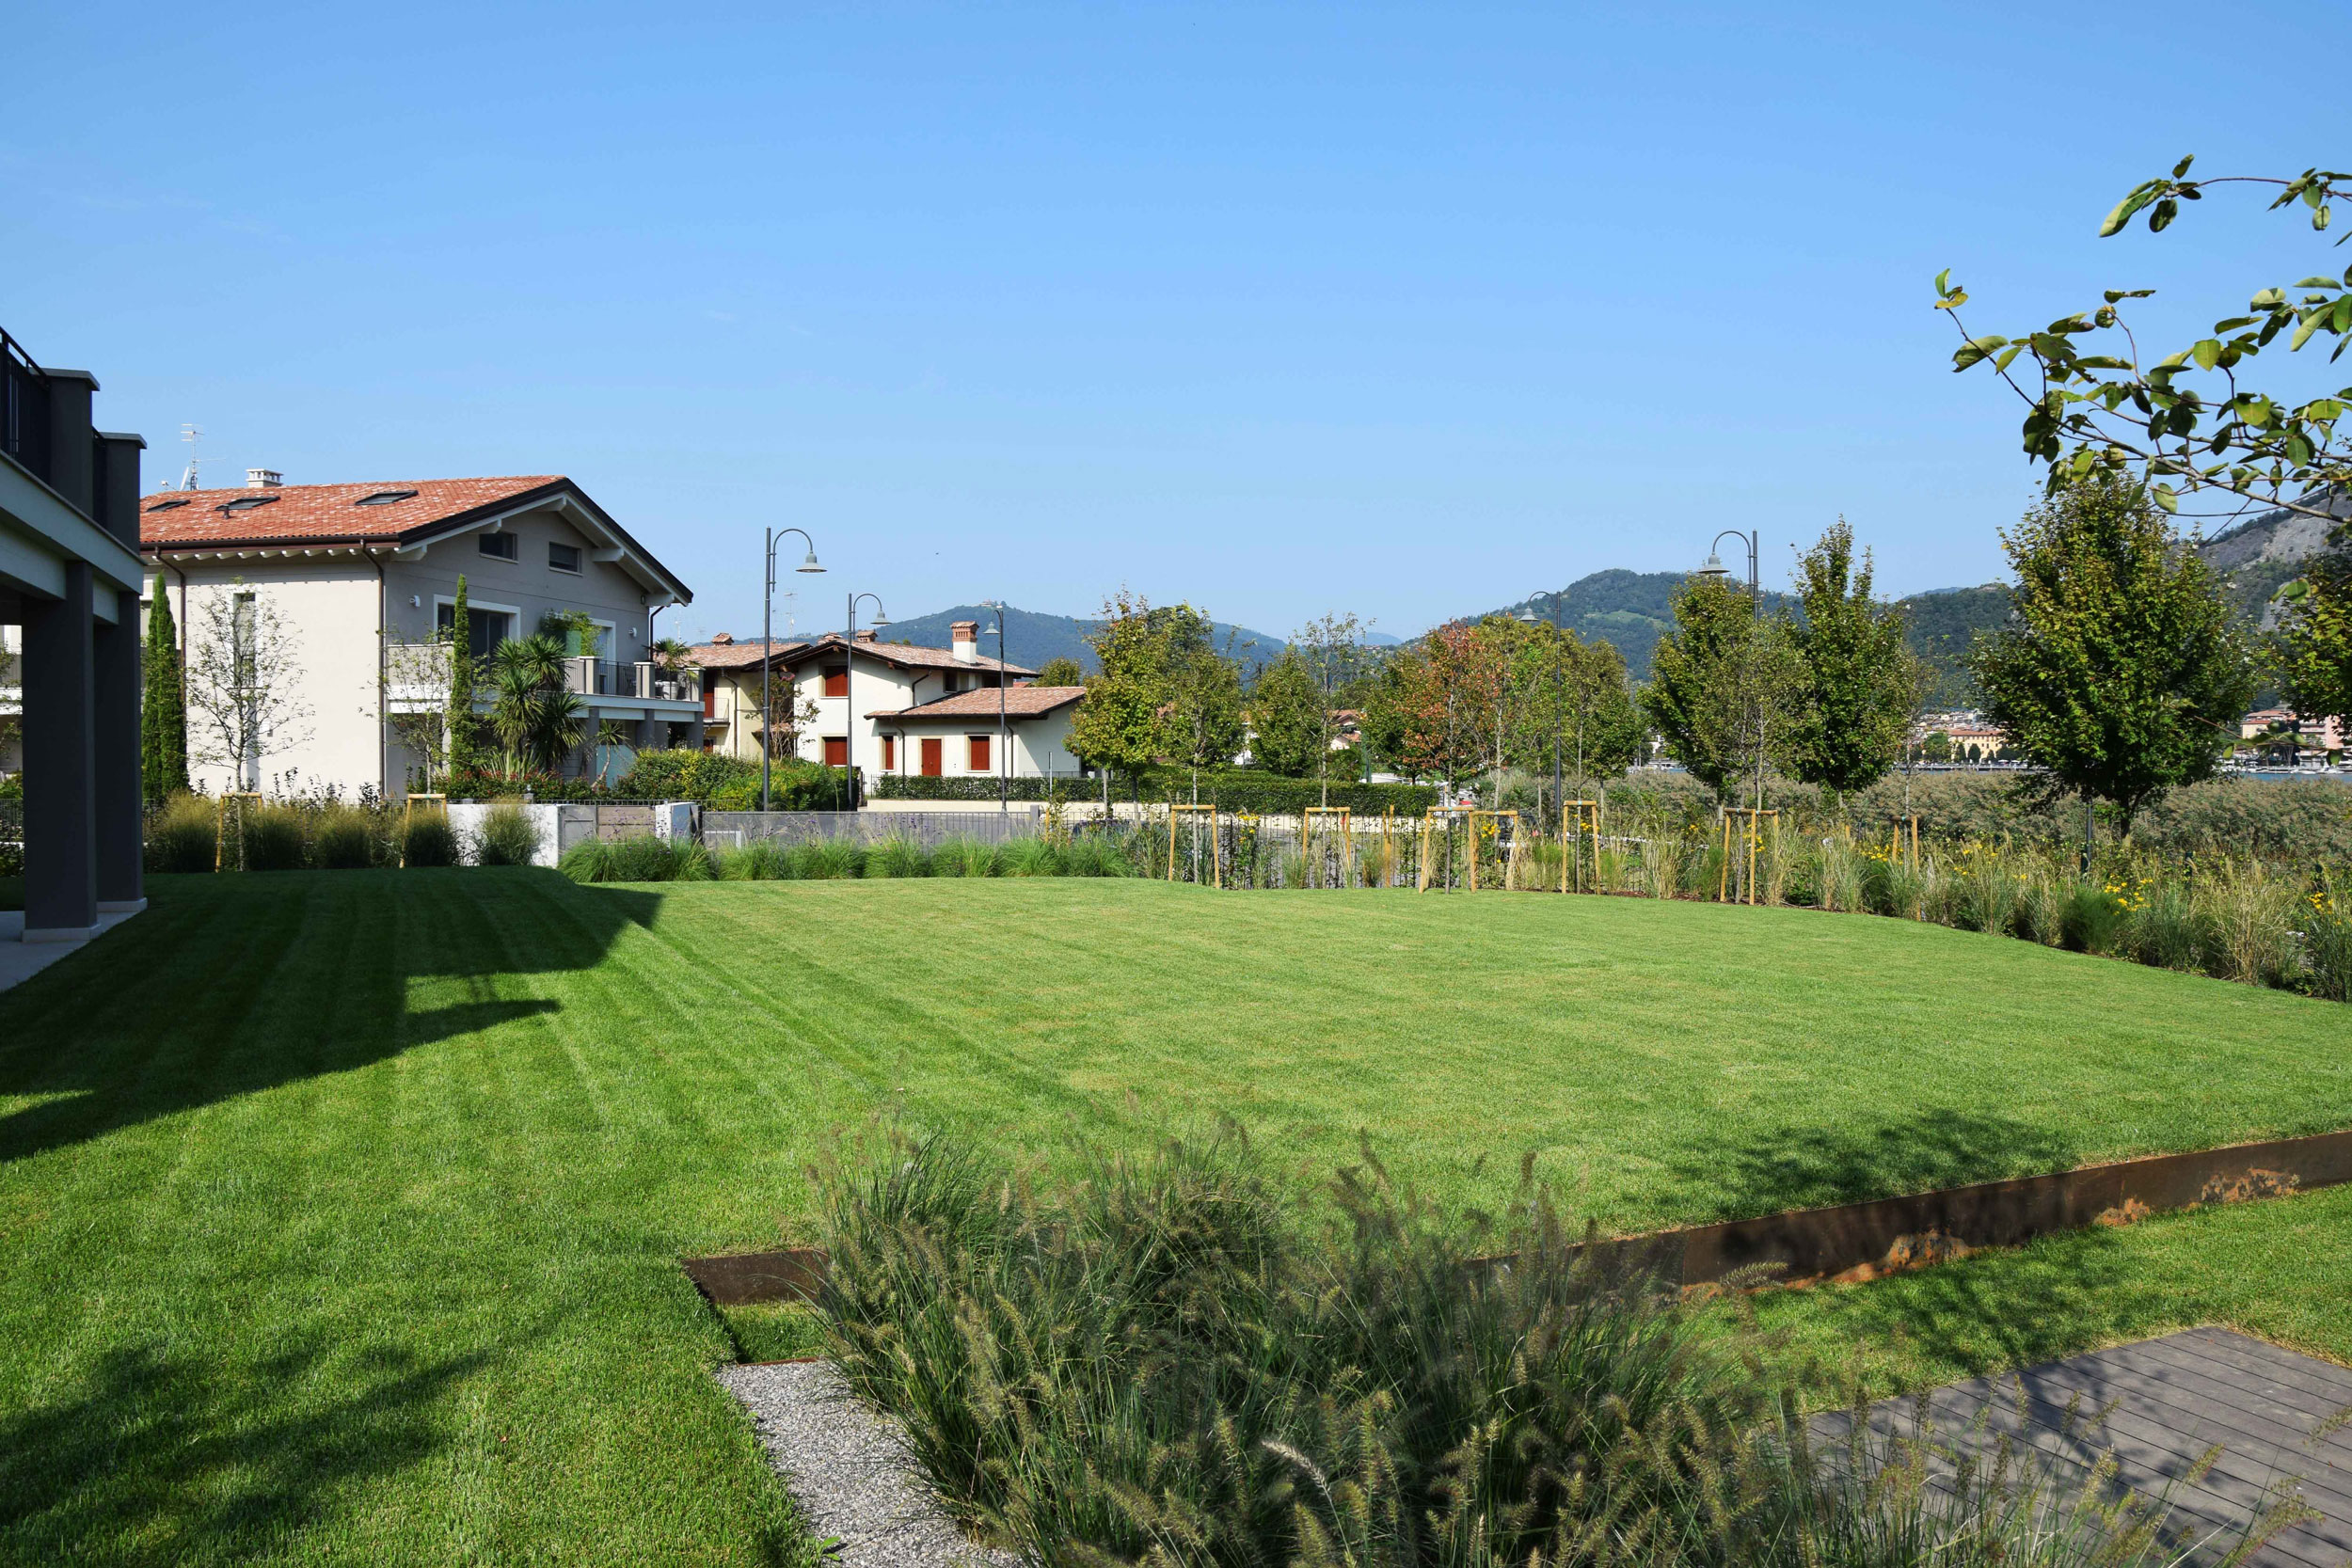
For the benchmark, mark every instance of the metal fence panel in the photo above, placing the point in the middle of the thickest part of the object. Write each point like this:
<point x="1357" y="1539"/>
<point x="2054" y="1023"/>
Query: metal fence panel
<point x="929" y="829"/>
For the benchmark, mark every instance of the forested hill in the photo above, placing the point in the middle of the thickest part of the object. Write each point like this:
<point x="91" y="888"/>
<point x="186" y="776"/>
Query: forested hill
<point x="1032" y="637"/>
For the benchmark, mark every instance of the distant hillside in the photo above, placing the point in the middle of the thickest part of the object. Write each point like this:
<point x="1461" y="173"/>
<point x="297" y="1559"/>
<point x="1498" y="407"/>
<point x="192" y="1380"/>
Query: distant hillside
<point x="1032" y="637"/>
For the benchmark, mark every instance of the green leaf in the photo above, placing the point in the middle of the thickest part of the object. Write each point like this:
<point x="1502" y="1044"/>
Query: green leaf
<point x="1943" y="281"/>
<point x="2166" y="499"/>
<point x="2315" y="283"/>
<point x="2303" y="333"/>
<point x="2319" y="219"/>
<point x="2123" y="214"/>
<point x="2269" y="299"/>
<point x="2182" y="167"/>
<point x="2161" y="219"/>
<point x="2233" y="324"/>
<point x="2207" y="354"/>
<point x="2006" y="356"/>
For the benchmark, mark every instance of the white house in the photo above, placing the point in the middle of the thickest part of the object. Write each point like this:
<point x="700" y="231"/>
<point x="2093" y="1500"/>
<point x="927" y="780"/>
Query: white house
<point x="363" y="577"/>
<point x="923" y="711"/>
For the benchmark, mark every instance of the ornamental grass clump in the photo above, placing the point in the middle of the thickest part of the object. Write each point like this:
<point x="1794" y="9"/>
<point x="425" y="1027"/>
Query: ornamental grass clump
<point x="820" y="860"/>
<point x="507" y="836"/>
<point x="1837" y="876"/>
<point x="2248" y="914"/>
<point x="1172" y="1359"/>
<point x="2326" y="942"/>
<point x="963" y="857"/>
<point x="642" y="857"/>
<point x="274" y="838"/>
<point x="344" y="839"/>
<point x="897" y="856"/>
<point x="1032" y="856"/>
<point x="763" y="860"/>
<point x="183" y="835"/>
<point x="426" y="839"/>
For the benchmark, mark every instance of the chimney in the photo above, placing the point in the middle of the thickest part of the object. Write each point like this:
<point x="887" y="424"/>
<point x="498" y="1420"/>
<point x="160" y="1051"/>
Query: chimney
<point x="866" y="636"/>
<point x="966" y="636"/>
<point x="263" y="479"/>
<point x="724" y="638"/>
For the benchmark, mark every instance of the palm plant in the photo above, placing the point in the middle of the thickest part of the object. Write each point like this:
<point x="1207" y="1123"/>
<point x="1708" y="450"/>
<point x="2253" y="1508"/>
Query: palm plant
<point x="536" y="721"/>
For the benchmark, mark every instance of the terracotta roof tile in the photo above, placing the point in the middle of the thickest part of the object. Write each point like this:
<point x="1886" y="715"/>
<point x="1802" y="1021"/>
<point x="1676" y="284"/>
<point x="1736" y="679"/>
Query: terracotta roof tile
<point x="321" y="514"/>
<point x="738" y="656"/>
<point x="908" y="656"/>
<point x="1020" y="702"/>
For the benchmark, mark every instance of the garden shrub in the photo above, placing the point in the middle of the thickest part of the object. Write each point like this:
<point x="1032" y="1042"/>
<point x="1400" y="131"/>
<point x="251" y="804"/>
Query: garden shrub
<point x="426" y="839"/>
<point x="273" y="837"/>
<point x="2163" y="926"/>
<point x="183" y="835"/>
<point x="508" y="836"/>
<point x="2248" y="913"/>
<point x="763" y="860"/>
<point x="2327" y="943"/>
<point x="729" y="784"/>
<point x="2090" y="919"/>
<point x="640" y="858"/>
<point x="344" y="839"/>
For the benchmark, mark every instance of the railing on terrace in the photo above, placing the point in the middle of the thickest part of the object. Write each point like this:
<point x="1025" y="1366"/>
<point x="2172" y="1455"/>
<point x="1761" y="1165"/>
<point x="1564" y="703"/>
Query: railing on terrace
<point x="732" y="829"/>
<point x="24" y="409"/>
<point x="643" y="680"/>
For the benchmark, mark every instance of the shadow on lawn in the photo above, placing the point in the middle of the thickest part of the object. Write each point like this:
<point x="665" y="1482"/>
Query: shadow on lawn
<point x="161" y="1456"/>
<point x="1811" y="1167"/>
<point x="234" y="983"/>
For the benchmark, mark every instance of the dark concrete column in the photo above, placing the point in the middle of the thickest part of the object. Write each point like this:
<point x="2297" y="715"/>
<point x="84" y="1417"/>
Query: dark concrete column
<point x="60" y="825"/>
<point x="122" y="810"/>
<point x="694" y="732"/>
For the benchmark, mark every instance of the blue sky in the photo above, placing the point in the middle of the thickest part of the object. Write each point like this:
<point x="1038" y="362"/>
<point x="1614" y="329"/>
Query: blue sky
<point x="1407" y="312"/>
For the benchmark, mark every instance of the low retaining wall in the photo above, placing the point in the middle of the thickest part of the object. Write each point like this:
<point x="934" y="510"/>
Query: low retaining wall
<point x="1849" y="1242"/>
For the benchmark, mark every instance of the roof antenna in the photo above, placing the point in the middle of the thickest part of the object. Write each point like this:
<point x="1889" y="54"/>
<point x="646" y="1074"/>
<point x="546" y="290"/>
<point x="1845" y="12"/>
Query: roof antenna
<point x="191" y="435"/>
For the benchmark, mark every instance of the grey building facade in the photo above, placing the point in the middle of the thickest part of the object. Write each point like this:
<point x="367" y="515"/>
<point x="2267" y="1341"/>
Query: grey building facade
<point x="69" y="580"/>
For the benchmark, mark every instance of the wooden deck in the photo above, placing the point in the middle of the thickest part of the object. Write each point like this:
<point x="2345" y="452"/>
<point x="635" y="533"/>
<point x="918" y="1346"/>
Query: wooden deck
<point x="2167" y="1402"/>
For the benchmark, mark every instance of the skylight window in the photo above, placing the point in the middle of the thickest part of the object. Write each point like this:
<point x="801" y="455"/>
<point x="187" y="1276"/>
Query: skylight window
<point x="165" y="506"/>
<point x="384" y="498"/>
<point x="247" y="504"/>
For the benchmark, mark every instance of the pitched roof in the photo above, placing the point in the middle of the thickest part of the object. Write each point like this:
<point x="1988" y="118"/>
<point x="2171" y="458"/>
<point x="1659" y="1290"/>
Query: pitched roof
<point x="738" y="656"/>
<point x="907" y="656"/>
<point x="1020" y="702"/>
<point x="413" y="513"/>
<point x="322" y="514"/>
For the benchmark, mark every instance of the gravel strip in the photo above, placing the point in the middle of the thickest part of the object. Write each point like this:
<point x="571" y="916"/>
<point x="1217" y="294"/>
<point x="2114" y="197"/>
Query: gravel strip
<point x="846" y="1467"/>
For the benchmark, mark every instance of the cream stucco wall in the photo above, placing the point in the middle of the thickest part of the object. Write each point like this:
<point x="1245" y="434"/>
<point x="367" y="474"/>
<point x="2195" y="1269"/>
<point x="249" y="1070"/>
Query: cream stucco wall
<point x="327" y="610"/>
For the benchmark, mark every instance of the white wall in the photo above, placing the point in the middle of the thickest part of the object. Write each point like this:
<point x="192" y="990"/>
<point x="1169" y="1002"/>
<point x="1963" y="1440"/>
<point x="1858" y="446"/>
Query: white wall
<point x="1036" y="743"/>
<point x="327" y="610"/>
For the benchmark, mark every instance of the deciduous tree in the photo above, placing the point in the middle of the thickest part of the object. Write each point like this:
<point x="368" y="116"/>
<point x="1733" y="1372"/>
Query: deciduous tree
<point x="2121" y="674"/>
<point x="1288" y="718"/>
<point x="1723" y="686"/>
<point x="1860" y="678"/>
<point x="243" y="685"/>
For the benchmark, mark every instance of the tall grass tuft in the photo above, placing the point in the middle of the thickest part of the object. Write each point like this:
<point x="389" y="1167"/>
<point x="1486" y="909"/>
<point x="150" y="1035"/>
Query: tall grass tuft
<point x="828" y="860"/>
<point x="2248" y="914"/>
<point x="763" y="860"/>
<point x="2165" y="927"/>
<point x="1032" y="856"/>
<point x="183" y="835"/>
<point x="1170" y="1359"/>
<point x="343" y="840"/>
<point x="2327" y="943"/>
<point x="1662" y="862"/>
<point x="963" y="857"/>
<point x="897" y="856"/>
<point x="274" y="838"/>
<point x="507" y="836"/>
<point x="426" y="839"/>
<point x="1839" y="877"/>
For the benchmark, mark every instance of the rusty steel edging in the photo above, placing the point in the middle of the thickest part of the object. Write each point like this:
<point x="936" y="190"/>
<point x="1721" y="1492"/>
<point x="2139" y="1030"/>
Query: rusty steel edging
<point x="1848" y="1240"/>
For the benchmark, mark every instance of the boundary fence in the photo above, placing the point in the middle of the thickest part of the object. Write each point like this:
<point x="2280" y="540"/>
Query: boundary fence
<point x="732" y="829"/>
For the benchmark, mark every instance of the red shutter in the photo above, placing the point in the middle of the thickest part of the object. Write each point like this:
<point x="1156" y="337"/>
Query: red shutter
<point x="979" y="743"/>
<point x="933" y="766"/>
<point x="837" y="680"/>
<point x="837" y="751"/>
<point x="890" y="754"/>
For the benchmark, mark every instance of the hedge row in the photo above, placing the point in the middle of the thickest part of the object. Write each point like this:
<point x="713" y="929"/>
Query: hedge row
<point x="1239" y="789"/>
<point x="718" y="783"/>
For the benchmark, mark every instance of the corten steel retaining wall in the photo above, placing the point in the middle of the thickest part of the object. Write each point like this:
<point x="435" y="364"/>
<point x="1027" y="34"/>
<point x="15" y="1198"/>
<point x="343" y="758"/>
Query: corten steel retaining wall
<point x="726" y="828"/>
<point x="1854" y="1240"/>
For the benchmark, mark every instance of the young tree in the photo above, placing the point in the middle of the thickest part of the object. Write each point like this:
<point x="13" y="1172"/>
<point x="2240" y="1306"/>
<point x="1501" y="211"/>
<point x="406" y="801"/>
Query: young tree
<point x="414" y="700"/>
<point x="1202" y="722"/>
<point x="243" y="687"/>
<point x="1289" y="718"/>
<point x="2102" y="416"/>
<point x="2121" y="674"/>
<point x="1333" y="651"/>
<point x="1452" y="687"/>
<point x="2312" y="647"/>
<point x="163" y="711"/>
<point x="1599" y="730"/>
<point x="1722" y="685"/>
<point x="1162" y="690"/>
<point x="460" y="756"/>
<point x="1860" y="676"/>
<point x="1061" y="671"/>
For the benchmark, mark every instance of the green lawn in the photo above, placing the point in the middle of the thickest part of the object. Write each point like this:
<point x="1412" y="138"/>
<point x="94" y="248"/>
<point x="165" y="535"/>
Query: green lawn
<point x="340" y="1208"/>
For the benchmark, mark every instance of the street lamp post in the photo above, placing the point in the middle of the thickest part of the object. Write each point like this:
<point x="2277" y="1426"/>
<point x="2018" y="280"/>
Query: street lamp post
<point x="1715" y="568"/>
<point x="768" y="647"/>
<point x="849" y="697"/>
<point x="1004" y="747"/>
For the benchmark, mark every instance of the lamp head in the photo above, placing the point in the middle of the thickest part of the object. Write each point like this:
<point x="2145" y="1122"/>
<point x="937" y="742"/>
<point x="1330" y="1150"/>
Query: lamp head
<point x="1714" y="567"/>
<point x="808" y="563"/>
<point x="878" y="621"/>
<point x="1529" y="615"/>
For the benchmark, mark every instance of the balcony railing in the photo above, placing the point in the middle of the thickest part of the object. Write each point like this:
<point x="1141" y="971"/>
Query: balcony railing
<point x="24" y="409"/>
<point x="644" y="681"/>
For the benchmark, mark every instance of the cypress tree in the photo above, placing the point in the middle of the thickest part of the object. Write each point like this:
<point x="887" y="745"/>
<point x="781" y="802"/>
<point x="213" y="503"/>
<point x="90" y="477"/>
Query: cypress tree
<point x="164" y="709"/>
<point x="460" y="685"/>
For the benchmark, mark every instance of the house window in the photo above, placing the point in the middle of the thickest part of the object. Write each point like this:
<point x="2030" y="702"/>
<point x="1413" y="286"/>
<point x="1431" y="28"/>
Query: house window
<point x="837" y="751"/>
<point x="977" y="747"/>
<point x="948" y="681"/>
<point x="563" y="557"/>
<point x="502" y="546"/>
<point x="485" y="629"/>
<point x="932" y="748"/>
<point x="890" y="754"/>
<point x="837" y="680"/>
